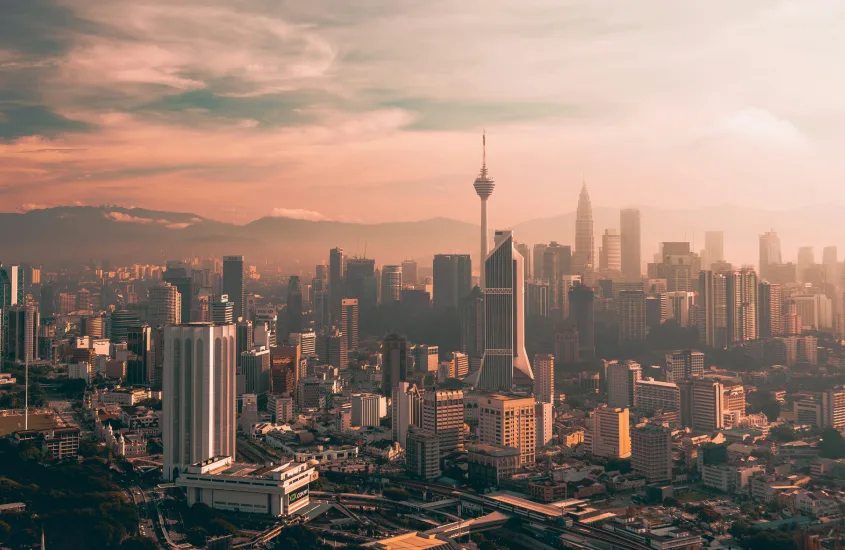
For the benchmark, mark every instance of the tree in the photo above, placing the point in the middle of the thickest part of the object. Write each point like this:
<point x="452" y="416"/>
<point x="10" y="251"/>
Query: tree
<point x="138" y="543"/>
<point x="832" y="444"/>
<point x="771" y="409"/>
<point x="197" y="536"/>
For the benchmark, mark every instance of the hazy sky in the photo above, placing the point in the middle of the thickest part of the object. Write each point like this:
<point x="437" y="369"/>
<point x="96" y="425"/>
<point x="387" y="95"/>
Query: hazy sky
<point x="373" y="109"/>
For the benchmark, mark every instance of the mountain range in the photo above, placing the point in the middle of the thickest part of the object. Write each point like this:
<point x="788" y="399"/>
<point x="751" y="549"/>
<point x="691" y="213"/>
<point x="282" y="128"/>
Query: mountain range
<point x="62" y="235"/>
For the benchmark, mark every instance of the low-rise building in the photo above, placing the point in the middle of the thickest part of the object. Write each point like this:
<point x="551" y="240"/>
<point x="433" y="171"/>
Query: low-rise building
<point x="488" y="465"/>
<point x="222" y="483"/>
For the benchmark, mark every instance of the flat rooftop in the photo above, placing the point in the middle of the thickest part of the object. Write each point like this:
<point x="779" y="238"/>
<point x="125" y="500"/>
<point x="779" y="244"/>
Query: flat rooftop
<point x="408" y="541"/>
<point x="15" y="422"/>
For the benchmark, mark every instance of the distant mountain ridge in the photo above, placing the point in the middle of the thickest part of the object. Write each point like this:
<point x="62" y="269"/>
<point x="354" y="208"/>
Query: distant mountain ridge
<point x="73" y="234"/>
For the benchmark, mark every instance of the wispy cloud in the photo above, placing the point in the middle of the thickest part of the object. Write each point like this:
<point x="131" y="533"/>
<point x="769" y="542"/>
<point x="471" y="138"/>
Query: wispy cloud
<point x="297" y="214"/>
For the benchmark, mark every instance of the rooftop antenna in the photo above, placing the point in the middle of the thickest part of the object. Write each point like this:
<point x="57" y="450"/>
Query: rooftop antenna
<point x="484" y="149"/>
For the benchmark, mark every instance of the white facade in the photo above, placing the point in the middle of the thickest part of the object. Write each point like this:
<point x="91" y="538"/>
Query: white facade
<point x="199" y="395"/>
<point x="367" y="409"/>
<point x="610" y="433"/>
<point x="221" y="483"/>
<point x="407" y="411"/>
<point x="281" y="407"/>
<point x="611" y="251"/>
<point x="80" y="370"/>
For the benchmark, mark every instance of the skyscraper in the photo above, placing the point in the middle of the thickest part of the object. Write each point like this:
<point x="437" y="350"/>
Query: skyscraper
<point x="221" y="310"/>
<point x="544" y="378"/>
<point x="443" y="414"/>
<point x="452" y="274"/>
<point x="409" y="272"/>
<point x="509" y="422"/>
<point x="714" y="246"/>
<point x="741" y="301"/>
<point x="349" y="322"/>
<point x="611" y="251"/>
<point x="504" y="299"/>
<point x="407" y="410"/>
<point x="712" y="309"/>
<point x="582" y="316"/>
<point x="806" y="260"/>
<point x="769" y="253"/>
<point x="294" y="305"/>
<point x="198" y="395"/>
<point x="537" y="263"/>
<point x="622" y="381"/>
<point x="584" y="236"/>
<point x="632" y="326"/>
<point x="484" y="186"/>
<point x="629" y="229"/>
<point x="830" y="262"/>
<point x="771" y="310"/>
<point x="233" y="284"/>
<point x="366" y="409"/>
<point x="361" y="284"/>
<point x="22" y="344"/>
<point x="707" y="404"/>
<point x="472" y="326"/>
<point x="391" y="284"/>
<point x="179" y="275"/>
<point x="394" y="358"/>
<point x="651" y="452"/>
<point x="526" y="255"/>
<point x="337" y="269"/>
<point x="165" y="306"/>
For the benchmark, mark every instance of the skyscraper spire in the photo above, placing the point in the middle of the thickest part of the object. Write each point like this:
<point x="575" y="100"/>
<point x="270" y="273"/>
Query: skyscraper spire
<point x="584" y="237"/>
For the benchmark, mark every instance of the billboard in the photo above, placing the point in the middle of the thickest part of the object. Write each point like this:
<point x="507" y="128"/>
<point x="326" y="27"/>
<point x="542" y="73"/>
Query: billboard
<point x="297" y="495"/>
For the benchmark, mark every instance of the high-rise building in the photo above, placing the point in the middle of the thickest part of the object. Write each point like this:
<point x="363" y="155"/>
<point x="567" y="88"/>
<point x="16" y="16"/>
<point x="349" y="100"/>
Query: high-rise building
<point x="771" y="310"/>
<point x="409" y="272"/>
<point x="712" y="309"/>
<point x="472" y="326"/>
<point x="361" y="284"/>
<point x="244" y="338"/>
<point x="178" y="274"/>
<point x="198" y="395"/>
<point x="741" y="307"/>
<point x="338" y="349"/>
<point x="544" y="378"/>
<point x="651" y="396"/>
<point x="443" y="414"/>
<point x="484" y="186"/>
<point x="806" y="259"/>
<point x="651" y="452"/>
<point x="349" y="322"/>
<point x="22" y="341"/>
<point x="523" y="249"/>
<point x="337" y="269"/>
<point x="294" y="305"/>
<point x="460" y="361"/>
<point x="120" y="320"/>
<point x="538" y="261"/>
<point x="140" y="363"/>
<point x="504" y="299"/>
<point x="544" y="417"/>
<point x="452" y="280"/>
<point x="394" y="357"/>
<point x="537" y="298"/>
<point x="222" y="310"/>
<point x="581" y="314"/>
<point x="632" y="325"/>
<point x="426" y="358"/>
<point x="47" y="301"/>
<point x="391" y="284"/>
<point x="611" y="251"/>
<point x="406" y="410"/>
<point x="707" y="404"/>
<point x="584" y="236"/>
<point x="284" y="369"/>
<point x="609" y="435"/>
<point x="833" y="408"/>
<point x="714" y="247"/>
<point x="307" y="342"/>
<point x="629" y="229"/>
<point x="422" y="454"/>
<point x="366" y="409"/>
<point x="165" y="306"/>
<point x="233" y="284"/>
<point x="509" y="422"/>
<point x="769" y="254"/>
<point x="566" y="345"/>
<point x="255" y="367"/>
<point x="622" y="381"/>
<point x="684" y="365"/>
<point x="830" y="263"/>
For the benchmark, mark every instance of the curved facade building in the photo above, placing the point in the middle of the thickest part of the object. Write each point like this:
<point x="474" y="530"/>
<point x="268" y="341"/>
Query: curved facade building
<point x="199" y="395"/>
<point x="504" y="299"/>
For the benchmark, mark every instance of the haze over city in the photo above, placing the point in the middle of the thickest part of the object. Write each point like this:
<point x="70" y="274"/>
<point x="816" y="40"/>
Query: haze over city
<point x="476" y="275"/>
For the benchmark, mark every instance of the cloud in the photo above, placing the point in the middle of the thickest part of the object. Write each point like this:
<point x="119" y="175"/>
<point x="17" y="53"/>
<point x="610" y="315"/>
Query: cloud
<point x="761" y="126"/>
<point x="29" y="206"/>
<point x="297" y="214"/>
<point x="127" y="218"/>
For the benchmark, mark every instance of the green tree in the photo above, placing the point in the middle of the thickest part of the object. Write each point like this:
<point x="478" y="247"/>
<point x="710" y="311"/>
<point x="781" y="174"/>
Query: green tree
<point x="138" y="543"/>
<point x="197" y="536"/>
<point x="395" y="493"/>
<point x="832" y="444"/>
<point x="771" y="409"/>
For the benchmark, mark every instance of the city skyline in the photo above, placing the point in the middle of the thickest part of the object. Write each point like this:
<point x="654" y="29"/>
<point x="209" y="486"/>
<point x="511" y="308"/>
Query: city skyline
<point x="115" y="104"/>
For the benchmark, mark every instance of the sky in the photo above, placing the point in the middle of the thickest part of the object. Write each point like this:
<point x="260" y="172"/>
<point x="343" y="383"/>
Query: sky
<point x="373" y="110"/>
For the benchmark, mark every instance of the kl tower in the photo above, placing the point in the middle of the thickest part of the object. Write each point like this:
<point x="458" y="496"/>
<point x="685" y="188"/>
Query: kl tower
<point x="484" y="187"/>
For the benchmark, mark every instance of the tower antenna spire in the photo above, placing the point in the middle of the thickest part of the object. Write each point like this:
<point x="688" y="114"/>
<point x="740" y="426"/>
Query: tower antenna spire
<point x="484" y="149"/>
